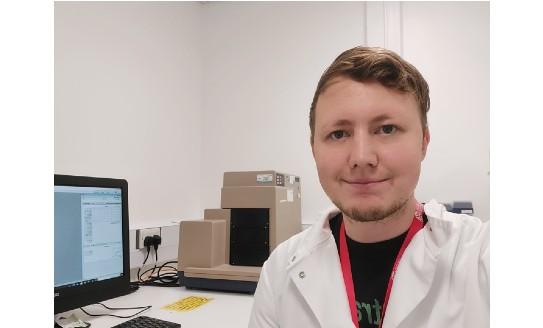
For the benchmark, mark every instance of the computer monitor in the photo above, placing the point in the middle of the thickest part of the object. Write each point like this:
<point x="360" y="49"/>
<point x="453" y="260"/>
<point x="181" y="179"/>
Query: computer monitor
<point x="91" y="240"/>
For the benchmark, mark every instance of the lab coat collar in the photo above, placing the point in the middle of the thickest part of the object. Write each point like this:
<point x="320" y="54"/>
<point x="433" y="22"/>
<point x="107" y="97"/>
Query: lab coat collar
<point x="416" y="271"/>
<point x="413" y="279"/>
<point x="312" y="275"/>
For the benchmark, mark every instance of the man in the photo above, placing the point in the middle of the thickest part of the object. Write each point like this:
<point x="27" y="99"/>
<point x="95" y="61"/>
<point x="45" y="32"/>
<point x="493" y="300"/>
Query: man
<point x="380" y="259"/>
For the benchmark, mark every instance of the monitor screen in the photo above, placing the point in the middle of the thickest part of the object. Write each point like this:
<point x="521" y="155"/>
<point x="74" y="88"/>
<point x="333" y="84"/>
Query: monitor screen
<point x="89" y="219"/>
<point x="91" y="246"/>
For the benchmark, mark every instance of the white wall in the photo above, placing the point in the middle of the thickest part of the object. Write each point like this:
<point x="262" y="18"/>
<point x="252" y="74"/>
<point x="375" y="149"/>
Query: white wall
<point x="178" y="93"/>
<point x="449" y="43"/>
<point x="128" y="102"/>
<point x="263" y="61"/>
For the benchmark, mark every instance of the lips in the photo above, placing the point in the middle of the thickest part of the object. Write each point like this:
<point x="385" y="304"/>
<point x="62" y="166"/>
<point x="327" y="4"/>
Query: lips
<point x="365" y="185"/>
<point x="364" y="181"/>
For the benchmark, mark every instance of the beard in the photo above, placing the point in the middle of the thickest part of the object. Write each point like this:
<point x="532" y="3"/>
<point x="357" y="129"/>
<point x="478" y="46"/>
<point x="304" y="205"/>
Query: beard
<point x="372" y="214"/>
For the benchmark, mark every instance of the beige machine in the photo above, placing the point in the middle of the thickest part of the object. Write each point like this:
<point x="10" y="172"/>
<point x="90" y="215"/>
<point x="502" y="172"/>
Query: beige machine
<point x="226" y="250"/>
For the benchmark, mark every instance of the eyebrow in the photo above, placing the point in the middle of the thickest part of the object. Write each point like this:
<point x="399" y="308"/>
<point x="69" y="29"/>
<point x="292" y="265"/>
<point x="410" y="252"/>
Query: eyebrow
<point x="343" y="122"/>
<point x="380" y="118"/>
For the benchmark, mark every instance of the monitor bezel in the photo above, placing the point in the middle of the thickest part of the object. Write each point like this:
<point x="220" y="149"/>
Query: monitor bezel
<point x="72" y="297"/>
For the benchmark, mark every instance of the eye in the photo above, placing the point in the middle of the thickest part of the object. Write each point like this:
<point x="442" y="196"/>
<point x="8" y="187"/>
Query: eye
<point x="338" y="134"/>
<point x="387" y="129"/>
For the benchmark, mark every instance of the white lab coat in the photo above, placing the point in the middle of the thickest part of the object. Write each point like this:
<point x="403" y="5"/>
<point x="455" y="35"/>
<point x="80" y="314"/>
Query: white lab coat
<point x="442" y="280"/>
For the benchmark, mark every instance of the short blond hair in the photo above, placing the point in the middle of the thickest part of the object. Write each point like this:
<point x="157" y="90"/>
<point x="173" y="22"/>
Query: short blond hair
<point x="364" y="64"/>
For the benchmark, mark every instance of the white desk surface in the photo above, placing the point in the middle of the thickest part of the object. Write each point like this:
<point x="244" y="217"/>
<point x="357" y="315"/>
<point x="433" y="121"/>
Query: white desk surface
<point x="225" y="310"/>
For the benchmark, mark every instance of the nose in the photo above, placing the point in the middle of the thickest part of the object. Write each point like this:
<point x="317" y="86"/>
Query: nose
<point x="363" y="152"/>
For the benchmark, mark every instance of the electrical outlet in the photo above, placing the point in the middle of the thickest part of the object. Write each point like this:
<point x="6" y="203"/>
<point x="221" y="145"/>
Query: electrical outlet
<point x="142" y="233"/>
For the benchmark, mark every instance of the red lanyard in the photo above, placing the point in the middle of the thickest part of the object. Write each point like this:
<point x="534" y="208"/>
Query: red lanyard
<point x="416" y="225"/>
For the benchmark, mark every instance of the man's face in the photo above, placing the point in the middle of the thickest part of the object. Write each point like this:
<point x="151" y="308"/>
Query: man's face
<point x="368" y="147"/>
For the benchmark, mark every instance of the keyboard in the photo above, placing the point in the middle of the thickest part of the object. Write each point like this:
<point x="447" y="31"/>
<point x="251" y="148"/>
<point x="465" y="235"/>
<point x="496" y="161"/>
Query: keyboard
<point x="147" y="322"/>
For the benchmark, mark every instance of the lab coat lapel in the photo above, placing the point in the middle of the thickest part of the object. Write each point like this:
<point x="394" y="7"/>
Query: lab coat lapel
<point x="315" y="270"/>
<point x="417" y="267"/>
<point x="320" y="283"/>
<point x="412" y="282"/>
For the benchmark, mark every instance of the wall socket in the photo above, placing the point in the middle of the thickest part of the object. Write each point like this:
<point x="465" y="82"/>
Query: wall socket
<point x="142" y="233"/>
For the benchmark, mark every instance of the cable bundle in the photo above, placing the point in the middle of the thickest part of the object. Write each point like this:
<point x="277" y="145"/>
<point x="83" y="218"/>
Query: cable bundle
<point x="162" y="279"/>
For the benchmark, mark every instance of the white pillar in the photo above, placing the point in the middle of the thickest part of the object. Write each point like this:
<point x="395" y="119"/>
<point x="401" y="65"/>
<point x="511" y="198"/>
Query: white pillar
<point x="384" y="25"/>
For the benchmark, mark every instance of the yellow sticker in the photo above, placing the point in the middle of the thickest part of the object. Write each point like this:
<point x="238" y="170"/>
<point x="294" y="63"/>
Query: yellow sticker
<point x="187" y="303"/>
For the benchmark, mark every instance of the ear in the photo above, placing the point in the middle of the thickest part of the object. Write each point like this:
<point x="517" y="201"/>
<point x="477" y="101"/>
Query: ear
<point x="425" y="141"/>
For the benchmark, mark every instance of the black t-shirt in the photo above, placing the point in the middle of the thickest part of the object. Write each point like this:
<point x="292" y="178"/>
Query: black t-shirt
<point x="371" y="265"/>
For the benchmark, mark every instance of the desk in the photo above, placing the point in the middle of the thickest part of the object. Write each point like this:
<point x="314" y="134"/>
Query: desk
<point x="226" y="310"/>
